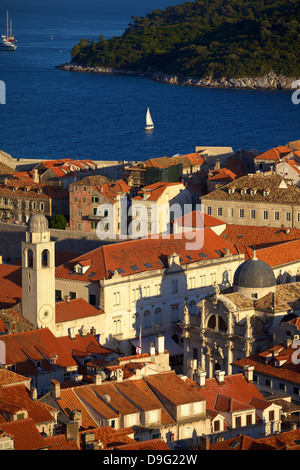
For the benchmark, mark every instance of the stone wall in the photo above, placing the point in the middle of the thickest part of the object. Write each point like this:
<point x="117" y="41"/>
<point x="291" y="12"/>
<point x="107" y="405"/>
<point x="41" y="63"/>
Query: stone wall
<point x="11" y="236"/>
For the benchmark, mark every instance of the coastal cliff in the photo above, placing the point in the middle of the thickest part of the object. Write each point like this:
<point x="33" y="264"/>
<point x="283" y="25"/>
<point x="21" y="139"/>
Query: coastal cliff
<point x="271" y="81"/>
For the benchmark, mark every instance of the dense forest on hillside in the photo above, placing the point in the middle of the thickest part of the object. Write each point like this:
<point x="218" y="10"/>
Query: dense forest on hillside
<point x="233" y="38"/>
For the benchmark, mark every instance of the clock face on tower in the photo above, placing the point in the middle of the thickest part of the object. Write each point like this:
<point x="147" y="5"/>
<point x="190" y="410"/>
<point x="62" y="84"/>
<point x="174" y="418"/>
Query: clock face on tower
<point x="45" y="314"/>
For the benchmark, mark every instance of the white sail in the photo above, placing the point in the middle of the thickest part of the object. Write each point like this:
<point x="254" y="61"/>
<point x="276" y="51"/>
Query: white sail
<point x="149" y="122"/>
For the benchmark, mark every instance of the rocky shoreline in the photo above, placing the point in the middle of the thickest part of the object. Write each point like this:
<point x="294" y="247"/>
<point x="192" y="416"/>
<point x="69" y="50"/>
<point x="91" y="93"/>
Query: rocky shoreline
<point x="271" y="81"/>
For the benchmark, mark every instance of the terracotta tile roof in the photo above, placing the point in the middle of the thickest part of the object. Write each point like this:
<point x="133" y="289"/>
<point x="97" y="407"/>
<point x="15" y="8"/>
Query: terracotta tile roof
<point x="69" y="401"/>
<point x="93" y="180"/>
<point x="18" y="396"/>
<point x="31" y="190"/>
<point x="228" y="404"/>
<point x="139" y="392"/>
<point x="286" y="297"/>
<point x="234" y="387"/>
<point x="109" y="258"/>
<point x="243" y="442"/>
<point x="10" y="285"/>
<point x="172" y="387"/>
<point x="109" y="436"/>
<point x="198" y="219"/>
<point x="3" y="327"/>
<point x="280" y="191"/>
<point x="88" y="344"/>
<point x="188" y="160"/>
<point x="224" y="175"/>
<point x="25" y="433"/>
<point x="113" y="189"/>
<point x="60" y="442"/>
<point x="274" y="154"/>
<point x="289" y="440"/>
<point x="154" y="191"/>
<point x="24" y="348"/>
<point x="295" y="145"/>
<point x="88" y="394"/>
<point x="8" y="377"/>
<point x="287" y="371"/>
<point x="150" y="445"/>
<point x="74" y="309"/>
<point x="117" y="401"/>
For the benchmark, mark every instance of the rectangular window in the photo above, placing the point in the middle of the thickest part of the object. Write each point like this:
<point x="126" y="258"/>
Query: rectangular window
<point x="248" y="420"/>
<point x="116" y="298"/>
<point x="209" y="210"/>
<point x="238" y="421"/>
<point x="72" y="295"/>
<point x="276" y="215"/>
<point x="192" y="282"/>
<point x="216" y="426"/>
<point x="298" y="216"/>
<point x="220" y="211"/>
<point x="242" y="213"/>
<point x="253" y="214"/>
<point x="288" y="216"/>
<point x="58" y="295"/>
<point x="92" y="299"/>
<point x="271" y="415"/>
<point x="174" y="286"/>
<point x="266" y="215"/>
<point x="268" y="383"/>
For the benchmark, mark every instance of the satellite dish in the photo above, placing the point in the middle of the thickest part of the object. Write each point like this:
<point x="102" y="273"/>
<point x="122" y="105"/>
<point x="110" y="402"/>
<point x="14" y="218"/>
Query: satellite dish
<point x="103" y="375"/>
<point x="106" y="398"/>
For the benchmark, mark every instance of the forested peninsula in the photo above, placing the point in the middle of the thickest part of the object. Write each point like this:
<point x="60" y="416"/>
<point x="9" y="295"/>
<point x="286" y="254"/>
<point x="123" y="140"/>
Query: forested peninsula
<point x="249" y="43"/>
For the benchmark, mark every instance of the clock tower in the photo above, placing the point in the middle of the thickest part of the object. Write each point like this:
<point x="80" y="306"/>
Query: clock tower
<point x="38" y="274"/>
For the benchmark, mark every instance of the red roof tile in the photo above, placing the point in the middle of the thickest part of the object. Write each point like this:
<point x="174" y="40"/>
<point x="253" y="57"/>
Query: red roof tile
<point x="274" y="154"/>
<point x="109" y="258"/>
<point x="25" y="433"/>
<point x="74" y="309"/>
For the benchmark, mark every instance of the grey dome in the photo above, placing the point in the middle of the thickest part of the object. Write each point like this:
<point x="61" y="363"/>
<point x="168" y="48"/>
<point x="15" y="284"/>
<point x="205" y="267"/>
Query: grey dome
<point x="254" y="273"/>
<point x="38" y="223"/>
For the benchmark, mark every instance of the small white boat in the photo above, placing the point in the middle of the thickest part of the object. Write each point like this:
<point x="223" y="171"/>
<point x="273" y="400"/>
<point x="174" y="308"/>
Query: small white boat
<point x="149" y="122"/>
<point x="7" y="41"/>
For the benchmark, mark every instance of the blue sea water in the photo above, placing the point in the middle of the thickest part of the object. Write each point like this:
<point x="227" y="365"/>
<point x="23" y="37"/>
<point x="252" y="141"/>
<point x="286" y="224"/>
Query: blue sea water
<point x="50" y="113"/>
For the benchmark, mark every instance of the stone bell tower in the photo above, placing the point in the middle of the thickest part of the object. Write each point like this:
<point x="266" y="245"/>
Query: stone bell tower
<point x="38" y="274"/>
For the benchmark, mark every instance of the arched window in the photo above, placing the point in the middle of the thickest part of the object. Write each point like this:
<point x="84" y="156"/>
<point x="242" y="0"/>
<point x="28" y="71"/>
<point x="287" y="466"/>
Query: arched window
<point x="157" y="316"/>
<point x="212" y="322"/>
<point x="29" y="259"/>
<point x="147" y="319"/>
<point x="222" y="324"/>
<point x="136" y="321"/>
<point x="45" y="258"/>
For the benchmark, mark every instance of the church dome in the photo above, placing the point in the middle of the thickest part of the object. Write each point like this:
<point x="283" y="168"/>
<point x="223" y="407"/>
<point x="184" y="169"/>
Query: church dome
<point x="38" y="223"/>
<point x="254" y="274"/>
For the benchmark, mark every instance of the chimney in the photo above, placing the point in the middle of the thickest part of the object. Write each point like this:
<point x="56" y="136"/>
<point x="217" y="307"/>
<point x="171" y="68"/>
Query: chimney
<point x="220" y="374"/>
<point x="119" y="375"/>
<point x="201" y="375"/>
<point x="71" y="430"/>
<point x="160" y="344"/>
<point x="152" y="351"/>
<point x="88" y="440"/>
<point x="97" y="379"/>
<point x="33" y="393"/>
<point x="248" y="373"/>
<point x="35" y="176"/>
<point x="204" y="443"/>
<point x="67" y="298"/>
<point x="72" y="334"/>
<point x="55" y="389"/>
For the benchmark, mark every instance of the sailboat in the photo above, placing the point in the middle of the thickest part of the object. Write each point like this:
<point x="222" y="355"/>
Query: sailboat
<point x="149" y="122"/>
<point x="7" y="40"/>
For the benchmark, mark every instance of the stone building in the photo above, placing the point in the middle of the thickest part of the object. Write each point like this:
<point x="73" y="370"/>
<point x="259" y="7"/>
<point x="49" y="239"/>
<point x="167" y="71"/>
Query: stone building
<point x="256" y="199"/>
<point x="239" y="322"/>
<point x="19" y="200"/>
